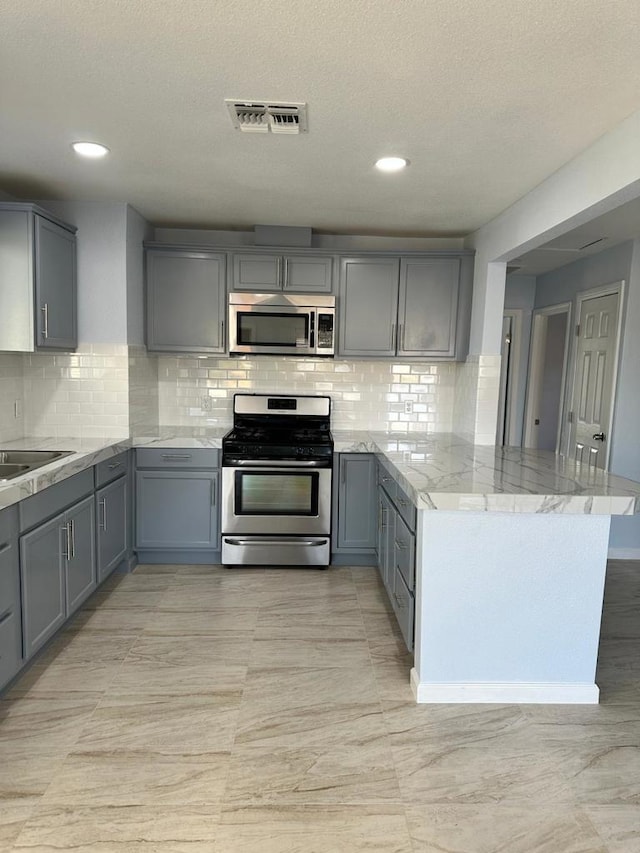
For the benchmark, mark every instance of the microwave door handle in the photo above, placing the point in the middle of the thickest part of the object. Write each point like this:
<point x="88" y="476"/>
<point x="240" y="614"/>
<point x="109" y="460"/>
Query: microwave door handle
<point x="312" y="336"/>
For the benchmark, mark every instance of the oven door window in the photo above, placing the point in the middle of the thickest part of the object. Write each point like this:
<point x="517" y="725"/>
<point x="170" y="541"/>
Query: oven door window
<point x="272" y="329"/>
<point x="276" y="493"/>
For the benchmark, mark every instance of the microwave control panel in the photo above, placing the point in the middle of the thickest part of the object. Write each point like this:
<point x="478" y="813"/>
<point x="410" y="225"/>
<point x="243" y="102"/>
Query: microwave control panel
<point x="325" y="331"/>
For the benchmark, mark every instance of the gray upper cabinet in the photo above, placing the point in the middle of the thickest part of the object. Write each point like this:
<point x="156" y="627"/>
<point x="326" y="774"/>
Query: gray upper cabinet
<point x="262" y="273"/>
<point x="38" y="275"/>
<point x="428" y="306"/>
<point x="55" y="256"/>
<point x="407" y="307"/>
<point x="186" y="300"/>
<point x="368" y="306"/>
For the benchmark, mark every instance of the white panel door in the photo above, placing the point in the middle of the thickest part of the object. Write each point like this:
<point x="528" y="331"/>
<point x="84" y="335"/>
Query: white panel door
<point x="593" y="385"/>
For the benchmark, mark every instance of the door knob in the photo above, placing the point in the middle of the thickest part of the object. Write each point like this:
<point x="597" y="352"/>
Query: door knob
<point x="599" y="436"/>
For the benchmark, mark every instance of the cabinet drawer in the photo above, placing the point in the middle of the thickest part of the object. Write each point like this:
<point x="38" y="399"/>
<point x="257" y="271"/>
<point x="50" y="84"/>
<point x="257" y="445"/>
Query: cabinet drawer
<point x="176" y="457"/>
<point x="56" y="498"/>
<point x="404" y="548"/>
<point x="10" y="645"/>
<point x="112" y="468"/>
<point x="387" y="482"/>
<point x="403" y="606"/>
<point x="406" y="508"/>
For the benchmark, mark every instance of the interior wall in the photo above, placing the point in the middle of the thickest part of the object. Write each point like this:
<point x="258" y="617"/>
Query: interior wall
<point x="550" y="397"/>
<point x="520" y="292"/>
<point x="619" y="263"/>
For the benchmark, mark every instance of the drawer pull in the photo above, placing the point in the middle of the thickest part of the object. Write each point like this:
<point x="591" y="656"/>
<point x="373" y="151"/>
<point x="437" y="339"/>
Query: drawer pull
<point x="6" y="615"/>
<point x="399" y="601"/>
<point x="403" y="503"/>
<point x="176" y="456"/>
<point x="115" y="465"/>
<point x="5" y="547"/>
<point x="401" y="546"/>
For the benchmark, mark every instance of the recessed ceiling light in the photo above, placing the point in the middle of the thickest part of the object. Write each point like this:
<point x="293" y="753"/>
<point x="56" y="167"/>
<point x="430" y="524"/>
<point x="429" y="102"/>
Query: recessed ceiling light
<point x="90" y="149"/>
<point x="391" y="164"/>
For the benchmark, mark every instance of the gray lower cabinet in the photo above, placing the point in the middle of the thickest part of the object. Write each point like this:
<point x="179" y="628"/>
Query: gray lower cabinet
<point x="38" y="274"/>
<point x="112" y="515"/>
<point x="355" y="504"/>
<point x="186" y="300"/>
<point x="177" y="504"/>
<point x="397" y="551"/>
<point x="274" y="272"/>
<point x="407" y="307"/>
<point x="57" y="571"/>
<point x="10" y="610"/>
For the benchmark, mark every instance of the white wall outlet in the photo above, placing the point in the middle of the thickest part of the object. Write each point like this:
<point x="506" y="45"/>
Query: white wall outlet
<point x="408" y="407"/>
<point x="206" y="403"/>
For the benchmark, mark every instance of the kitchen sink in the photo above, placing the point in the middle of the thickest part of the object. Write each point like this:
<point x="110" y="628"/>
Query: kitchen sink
<point x="16" y="462"/>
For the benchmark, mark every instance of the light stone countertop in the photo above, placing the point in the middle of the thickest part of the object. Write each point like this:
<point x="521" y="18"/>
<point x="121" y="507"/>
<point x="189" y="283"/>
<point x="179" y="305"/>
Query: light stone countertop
<point x="438" y="471"/>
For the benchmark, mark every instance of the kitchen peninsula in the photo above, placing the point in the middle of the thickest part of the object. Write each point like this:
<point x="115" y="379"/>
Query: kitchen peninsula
<point x="510" y="565"/>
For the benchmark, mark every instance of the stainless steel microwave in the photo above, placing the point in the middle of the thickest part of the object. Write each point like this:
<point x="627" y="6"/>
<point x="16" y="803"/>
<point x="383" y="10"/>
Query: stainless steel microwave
<point x="281" y="324"/>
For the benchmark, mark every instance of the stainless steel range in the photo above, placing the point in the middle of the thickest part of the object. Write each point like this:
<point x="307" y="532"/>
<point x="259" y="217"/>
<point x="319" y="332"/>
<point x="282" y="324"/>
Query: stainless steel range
<point x="276" y="481"/>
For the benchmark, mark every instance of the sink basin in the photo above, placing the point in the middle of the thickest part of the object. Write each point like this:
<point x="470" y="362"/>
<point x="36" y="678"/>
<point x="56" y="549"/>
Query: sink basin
<point x="32" y="457"/>
<point x="11" y="470"/>
<point x="16" y="462"/>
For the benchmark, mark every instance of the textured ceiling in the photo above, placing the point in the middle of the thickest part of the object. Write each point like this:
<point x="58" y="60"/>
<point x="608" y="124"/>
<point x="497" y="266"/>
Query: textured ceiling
<point x="485" y="97"/>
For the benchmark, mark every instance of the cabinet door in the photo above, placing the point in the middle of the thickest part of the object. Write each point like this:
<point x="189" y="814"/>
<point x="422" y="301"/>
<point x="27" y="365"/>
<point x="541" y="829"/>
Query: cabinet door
<point x="111" y="524"/>
<point x="42" y="575"/>
<point x="55" y="253"/>
<point x="80" y="565"/>
<point x="386" y="518"/>
<point x="428" y="307"/>
<point x="403" y="605"/>
<point x="10" y="610"/>
<point x="185" y="301"/>
<point x="357" y="501"/>
<point x="308" y="274"/>
<point x="259" y="273"/>
<point x="368" y="306"/>
<point x="177" y="509"/>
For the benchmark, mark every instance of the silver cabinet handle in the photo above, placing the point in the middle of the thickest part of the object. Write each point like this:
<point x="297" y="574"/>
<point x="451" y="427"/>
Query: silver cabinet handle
<point x="384" y="517"/>
<point x="4" y="618"/>
<point x="399" y="601"/>
<point x="393" y="336"/>
<point x="222" y="333"/>
<point x="402" y="502"/>
<point x="103" y="507"/>
<point x="73" y="537"/>
<point x="598" y="436"/>
<point x="277" y="542"/>
<point x="279" y="270"/>
<point x="213" y="493"/>
<point x="176" y="456"/>
<point x="115" y="465"/>
<point x="45" y="320"/>
<point x="401" y="546"/>
<point x="285" y="282"/>
<point x="5" y="547"/>
<point x="401" y="337"/>
<point x="65" y="554"/>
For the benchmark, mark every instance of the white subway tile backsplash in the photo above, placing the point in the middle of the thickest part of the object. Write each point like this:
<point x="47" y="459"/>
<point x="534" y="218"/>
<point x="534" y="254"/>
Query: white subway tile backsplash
<point x="365" y="394"/>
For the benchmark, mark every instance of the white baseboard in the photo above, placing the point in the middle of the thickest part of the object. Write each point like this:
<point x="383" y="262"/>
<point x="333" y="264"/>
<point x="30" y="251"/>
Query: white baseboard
<point x="623" y="554"/>
<point x="517" y="693"/>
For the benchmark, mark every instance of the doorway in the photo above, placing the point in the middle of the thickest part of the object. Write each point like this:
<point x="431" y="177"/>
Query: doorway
<point x="508" y="429"/>
<point x="547" y="377"/>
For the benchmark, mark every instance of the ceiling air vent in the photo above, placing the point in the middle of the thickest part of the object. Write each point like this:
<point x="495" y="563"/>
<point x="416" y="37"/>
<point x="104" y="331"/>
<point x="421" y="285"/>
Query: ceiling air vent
<point x="256" y="117"/>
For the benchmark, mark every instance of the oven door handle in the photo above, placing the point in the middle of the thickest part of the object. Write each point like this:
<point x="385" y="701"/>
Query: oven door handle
<point x="310" y="543"/>
<point x="276" y="463"/>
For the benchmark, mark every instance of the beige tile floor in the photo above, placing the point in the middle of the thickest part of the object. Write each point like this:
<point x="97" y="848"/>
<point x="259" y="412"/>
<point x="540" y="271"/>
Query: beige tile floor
<point x="195" y="709"/>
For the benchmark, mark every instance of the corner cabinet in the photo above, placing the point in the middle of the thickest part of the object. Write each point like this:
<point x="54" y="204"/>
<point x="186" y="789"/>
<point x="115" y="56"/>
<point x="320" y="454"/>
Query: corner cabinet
<point x="186" y="300"/>
<point x="38" y="274"/>
<point x="302" y="273"/>
<point x="407" y="307"/>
